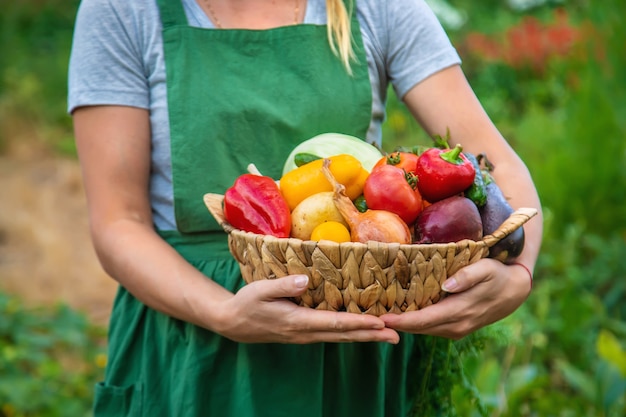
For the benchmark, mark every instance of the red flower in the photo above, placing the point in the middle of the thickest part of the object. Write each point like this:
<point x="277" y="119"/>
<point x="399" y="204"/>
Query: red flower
<point x="530" y="43"/>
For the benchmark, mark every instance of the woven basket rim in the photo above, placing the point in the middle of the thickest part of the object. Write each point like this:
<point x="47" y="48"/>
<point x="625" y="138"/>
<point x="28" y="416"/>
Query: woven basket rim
<point x="214" y="203"/>
<point x="372" y="278"/>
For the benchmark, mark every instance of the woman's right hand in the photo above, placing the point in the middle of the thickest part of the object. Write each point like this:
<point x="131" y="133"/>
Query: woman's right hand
<point x="261" y="312"/>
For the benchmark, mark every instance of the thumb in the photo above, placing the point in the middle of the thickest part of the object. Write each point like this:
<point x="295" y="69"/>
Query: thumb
<point x="285" y="287"/>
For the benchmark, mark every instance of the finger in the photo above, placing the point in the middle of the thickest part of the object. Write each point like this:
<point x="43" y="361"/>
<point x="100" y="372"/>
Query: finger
<point x="382" y="335"/>
<point x="419" y="321"/>
<point x="313" y="320"/>
<point x="467" y="277"/>
<point x="447" y="329"/>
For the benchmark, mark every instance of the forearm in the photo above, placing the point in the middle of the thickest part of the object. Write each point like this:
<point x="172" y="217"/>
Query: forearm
<point x="150" y="269"/>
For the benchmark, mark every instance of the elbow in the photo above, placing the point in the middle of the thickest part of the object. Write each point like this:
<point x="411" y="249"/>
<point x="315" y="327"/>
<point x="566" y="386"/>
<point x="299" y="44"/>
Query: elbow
<point x="115" y="240"/>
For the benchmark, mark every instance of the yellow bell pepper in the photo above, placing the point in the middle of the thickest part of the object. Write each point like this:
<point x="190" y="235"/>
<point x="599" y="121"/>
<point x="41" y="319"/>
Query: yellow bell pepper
<point x="304" y="181"/>
<point x="355" y="188"/>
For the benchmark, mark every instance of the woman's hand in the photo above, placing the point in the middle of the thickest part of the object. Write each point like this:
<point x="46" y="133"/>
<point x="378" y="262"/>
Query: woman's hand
<point x="261" y="312"/>
<point x="485" y="292"/>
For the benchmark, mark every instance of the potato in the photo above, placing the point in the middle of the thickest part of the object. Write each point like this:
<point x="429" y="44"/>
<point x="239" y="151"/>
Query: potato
<point x="312" y="211"/>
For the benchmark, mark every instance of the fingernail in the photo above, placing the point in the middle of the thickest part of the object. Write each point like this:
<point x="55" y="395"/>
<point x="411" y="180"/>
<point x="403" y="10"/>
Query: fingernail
<point x="301" y="281"/>
<point x="449" y="285"/>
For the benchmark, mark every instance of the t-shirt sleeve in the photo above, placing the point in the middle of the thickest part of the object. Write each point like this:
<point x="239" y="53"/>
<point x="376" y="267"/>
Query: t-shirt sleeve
<point x="417" y="46"/>
<point x="106" y="65"/>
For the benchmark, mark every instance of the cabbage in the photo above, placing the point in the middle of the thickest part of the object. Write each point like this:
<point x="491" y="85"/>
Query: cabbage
<point x="330" y="144"/>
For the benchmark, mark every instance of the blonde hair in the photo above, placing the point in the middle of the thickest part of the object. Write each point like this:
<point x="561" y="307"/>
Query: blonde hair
<point x="339" y="31"/>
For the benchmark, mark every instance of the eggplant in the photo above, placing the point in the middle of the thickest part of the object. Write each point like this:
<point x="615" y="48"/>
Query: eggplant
<point x="495" y="211"/>
<point x="449" y="220"/>
<point x="477" y="191"/>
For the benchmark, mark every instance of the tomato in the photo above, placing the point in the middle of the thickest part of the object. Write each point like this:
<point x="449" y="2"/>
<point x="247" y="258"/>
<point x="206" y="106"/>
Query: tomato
<point x="391" y="188"/>
<point x="331" y="230"/>
<point x="403" y="160"/>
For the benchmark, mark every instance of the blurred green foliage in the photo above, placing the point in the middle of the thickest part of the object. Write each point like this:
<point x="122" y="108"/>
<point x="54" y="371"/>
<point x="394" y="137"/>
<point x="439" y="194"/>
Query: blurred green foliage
<point x="565" y="114"/>
<point x="566" y="356"/>
<point x="49" y="360"/>
<point x="36" y="39"/>
<point x="564" y="111"/>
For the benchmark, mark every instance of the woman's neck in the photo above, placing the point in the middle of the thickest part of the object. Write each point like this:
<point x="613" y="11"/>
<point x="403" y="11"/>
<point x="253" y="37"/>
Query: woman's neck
<point x="253" y="14"/>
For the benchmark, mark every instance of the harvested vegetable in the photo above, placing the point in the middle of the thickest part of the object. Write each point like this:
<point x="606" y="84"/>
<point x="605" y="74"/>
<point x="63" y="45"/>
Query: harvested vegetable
<point x="377" y="225"/>
<point x="255" y="204"/>
<point x="331" y="230"/>
<point x="311" y="212"/>
<point x="360" y="203"/>
<point x="308" y="179"/>
<point x="304" y="158"/>
<point x="443" y="173"/>
<point x="477" y="192"/>
<point x="495" y="211"/>
<point x="449" y="220"/>
<point x="400" y="159"/>
<point x="329" y="144"/>
<point x="391" y="188"/>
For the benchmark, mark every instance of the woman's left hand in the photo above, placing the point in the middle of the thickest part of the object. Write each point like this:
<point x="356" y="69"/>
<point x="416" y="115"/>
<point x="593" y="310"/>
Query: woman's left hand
<point x="486" y="292"/>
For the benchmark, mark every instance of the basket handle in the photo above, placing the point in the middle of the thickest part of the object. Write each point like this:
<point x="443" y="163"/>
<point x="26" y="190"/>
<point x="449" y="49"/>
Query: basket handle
<point x="515" y="221"/>
<point x="214" y="202"/>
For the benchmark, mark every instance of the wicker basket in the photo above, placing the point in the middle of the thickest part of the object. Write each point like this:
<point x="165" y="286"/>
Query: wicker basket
<point x="373" y="278"/>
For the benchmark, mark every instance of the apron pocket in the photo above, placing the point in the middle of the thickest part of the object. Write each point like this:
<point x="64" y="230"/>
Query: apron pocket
<point x="111" y="400"/>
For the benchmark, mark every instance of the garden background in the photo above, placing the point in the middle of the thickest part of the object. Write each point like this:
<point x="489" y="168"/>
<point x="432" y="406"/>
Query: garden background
<point x="552" y="74"/>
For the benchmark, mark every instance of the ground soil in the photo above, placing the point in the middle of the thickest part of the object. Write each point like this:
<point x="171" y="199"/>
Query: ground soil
<point x="46" y="256"/>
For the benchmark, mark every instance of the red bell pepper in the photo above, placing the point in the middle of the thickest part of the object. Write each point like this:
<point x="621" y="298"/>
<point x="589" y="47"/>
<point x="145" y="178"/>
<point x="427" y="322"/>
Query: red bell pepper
<point x="255" y="204"/>
<point x="443" y="173"/>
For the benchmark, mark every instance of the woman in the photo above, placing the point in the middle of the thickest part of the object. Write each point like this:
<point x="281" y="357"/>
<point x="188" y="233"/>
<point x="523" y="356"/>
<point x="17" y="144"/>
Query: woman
<point x="172" y="99"/>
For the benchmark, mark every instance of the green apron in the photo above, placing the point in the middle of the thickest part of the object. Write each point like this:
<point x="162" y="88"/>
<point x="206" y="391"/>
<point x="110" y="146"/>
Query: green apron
<point x="236" y="97"/>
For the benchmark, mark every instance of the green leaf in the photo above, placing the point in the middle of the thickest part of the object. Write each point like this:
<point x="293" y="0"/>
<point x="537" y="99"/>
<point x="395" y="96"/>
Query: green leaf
<point x="610" y="349"/>
<point x="578" y="379"/>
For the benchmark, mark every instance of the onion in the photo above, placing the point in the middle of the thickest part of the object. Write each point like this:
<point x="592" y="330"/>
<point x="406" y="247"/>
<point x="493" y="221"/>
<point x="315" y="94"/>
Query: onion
<point x="378" y="225"/>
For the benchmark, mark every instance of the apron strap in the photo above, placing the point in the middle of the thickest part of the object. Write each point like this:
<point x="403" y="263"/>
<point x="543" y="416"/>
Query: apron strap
<point x="172" y="13"/>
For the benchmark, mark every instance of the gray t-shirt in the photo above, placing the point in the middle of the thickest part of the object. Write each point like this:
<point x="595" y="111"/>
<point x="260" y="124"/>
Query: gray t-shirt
<point x="117" y="59"/>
